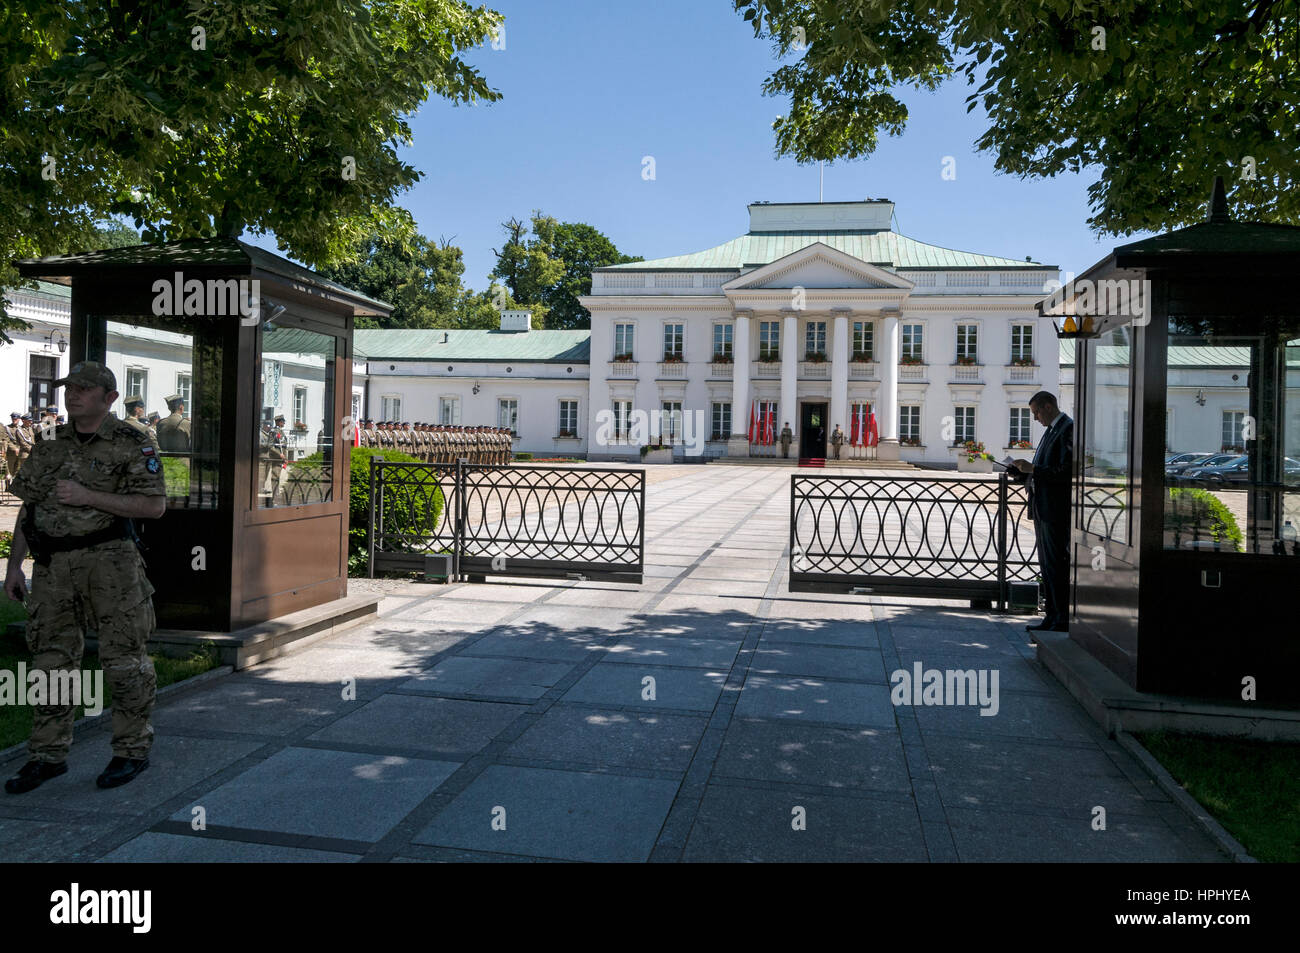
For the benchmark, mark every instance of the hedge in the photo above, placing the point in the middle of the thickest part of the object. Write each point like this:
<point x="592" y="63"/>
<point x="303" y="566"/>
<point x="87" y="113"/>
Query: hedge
<point x="1199" y="512"/>
<point x="406" y="509"/>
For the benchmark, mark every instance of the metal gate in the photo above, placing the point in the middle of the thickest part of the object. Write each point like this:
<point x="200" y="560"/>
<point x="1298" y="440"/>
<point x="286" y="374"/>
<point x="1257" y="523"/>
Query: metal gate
<point x="941" y="537"/>
<point x="510" y="520"/>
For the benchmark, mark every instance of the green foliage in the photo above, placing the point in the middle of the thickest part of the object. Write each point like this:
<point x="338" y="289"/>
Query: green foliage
<point x="419" y="278"/>
<point x="176" y="476"/>
<point x="6" y="543"/>
<point x="523" y="456"/>
<point x="406" y="509"/>
<point x="256" y="123"/>
<point x="1172" y="94"/>
<point x="1191" y="512"/>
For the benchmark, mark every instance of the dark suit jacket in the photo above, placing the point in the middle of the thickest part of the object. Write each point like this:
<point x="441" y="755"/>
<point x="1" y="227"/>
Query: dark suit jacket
<point x="1049" y="486"/>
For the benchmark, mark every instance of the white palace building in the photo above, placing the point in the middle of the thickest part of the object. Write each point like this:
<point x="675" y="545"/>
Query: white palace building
<point x="816" y="313"/>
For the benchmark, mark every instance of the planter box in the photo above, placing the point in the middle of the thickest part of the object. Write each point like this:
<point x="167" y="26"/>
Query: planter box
<point x="659" y="456"/>
<point x="979" y="465"/>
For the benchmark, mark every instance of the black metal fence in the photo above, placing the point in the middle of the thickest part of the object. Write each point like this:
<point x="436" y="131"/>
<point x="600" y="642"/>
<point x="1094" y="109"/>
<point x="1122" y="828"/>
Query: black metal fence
<point x="507" y="520"/>
<point x="919" y="536"/>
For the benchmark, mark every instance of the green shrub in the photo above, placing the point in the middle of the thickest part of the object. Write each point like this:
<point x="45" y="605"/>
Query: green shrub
<point x="6" y="543"/>
<point x="523" y="456"/>
<point x="1192" y="512"/>
<point x="411" y="509"/>
<point x="176" y="474"/>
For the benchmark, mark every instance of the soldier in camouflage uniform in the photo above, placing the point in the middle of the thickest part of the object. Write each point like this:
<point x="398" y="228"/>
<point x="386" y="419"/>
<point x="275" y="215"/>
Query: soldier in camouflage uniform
<point x="80" y="490"/>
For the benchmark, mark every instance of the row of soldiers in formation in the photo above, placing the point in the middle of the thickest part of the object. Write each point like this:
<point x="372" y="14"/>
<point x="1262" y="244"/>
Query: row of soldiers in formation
<point x="435" y="443"/>
<point x="16" y="442"/>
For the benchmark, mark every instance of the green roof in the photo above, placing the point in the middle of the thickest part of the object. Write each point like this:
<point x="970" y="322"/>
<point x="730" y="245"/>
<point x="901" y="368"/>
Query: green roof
<point x="887" y="249"/>
<point x="1180" y="355"/>
<point x="444" y="345"/>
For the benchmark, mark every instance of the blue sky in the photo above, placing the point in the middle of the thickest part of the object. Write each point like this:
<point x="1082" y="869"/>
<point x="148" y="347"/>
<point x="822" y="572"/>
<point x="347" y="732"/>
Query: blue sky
<point x="592" y="86"/>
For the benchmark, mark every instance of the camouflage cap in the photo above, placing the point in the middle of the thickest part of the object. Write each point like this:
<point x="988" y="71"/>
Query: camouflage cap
<point x="89" y="374"/>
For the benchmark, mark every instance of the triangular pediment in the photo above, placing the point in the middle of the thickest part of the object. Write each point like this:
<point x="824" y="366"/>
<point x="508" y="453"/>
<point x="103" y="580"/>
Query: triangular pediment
<point x="818" y="266"/>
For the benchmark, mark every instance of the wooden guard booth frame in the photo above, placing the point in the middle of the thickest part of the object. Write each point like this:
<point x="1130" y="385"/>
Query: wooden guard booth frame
<point x="1187" y="621"/>
<point x="261" y="562"/>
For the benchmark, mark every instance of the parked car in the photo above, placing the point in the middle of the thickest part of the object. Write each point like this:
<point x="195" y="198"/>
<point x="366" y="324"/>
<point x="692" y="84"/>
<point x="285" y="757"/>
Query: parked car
<point x="1236" y="470"/>
<point x="1178" y="471"/>
<point x="1186" y="459"/>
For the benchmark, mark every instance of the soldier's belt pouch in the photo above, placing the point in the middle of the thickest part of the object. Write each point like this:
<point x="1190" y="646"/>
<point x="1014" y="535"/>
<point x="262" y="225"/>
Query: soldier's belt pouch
<point x="49" y="545"/>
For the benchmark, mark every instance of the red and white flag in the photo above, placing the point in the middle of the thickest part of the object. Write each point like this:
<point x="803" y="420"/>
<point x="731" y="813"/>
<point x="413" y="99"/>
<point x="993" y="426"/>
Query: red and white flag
<point x="753" y="421"/>
<point x="873" y="431"/>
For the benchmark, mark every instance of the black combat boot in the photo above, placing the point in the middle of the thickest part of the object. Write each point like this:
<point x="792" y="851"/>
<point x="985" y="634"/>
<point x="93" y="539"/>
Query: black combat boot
<point x="33" y="775"/>
<point x="120" y="771"/>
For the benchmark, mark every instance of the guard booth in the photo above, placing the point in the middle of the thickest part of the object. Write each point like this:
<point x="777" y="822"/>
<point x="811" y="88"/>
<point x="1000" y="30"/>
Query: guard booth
<point x="222" y="337"/>
<point x="1185" y="343"/>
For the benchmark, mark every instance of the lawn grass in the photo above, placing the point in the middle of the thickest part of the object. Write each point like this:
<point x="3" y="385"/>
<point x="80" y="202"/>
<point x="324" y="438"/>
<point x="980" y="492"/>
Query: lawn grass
<point x="1252" y="788"/>
<point x="16" y="720"/>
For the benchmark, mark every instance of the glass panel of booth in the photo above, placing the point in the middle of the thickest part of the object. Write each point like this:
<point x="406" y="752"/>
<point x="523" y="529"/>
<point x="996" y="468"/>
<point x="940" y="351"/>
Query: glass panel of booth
<point x="295" y="436"/>
<point x="1236" y="400"/>
<point x="1107" y="463"/>
<point x="169" y="372"/>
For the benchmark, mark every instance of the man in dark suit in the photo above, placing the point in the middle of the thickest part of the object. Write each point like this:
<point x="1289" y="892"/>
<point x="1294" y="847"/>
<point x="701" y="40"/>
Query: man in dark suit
<point x="1049" y="477"/>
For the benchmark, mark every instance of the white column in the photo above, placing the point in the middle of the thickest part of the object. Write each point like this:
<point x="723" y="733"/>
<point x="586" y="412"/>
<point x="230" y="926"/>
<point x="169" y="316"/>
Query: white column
<point x="839" y="376"/>
<point x="887" y="411"/>
<point x="738" y="444"/>
<point x="790" y="376"/>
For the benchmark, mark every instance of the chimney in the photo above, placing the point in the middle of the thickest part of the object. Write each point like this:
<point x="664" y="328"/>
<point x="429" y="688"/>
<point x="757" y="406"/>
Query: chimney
<point x="516" y="320"/>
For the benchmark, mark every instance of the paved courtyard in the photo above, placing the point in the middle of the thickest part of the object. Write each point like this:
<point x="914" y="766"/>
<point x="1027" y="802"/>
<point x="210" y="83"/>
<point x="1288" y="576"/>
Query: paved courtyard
<point x="707" y="715"/>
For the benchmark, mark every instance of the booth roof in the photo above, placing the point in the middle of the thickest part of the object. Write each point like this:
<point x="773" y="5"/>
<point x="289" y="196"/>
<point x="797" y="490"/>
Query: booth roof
<point x="215" y="252"/>
<point x="437" y="344"/>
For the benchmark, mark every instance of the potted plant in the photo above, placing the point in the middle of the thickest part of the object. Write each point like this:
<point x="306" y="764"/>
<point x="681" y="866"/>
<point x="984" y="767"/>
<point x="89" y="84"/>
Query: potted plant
<point x="299" y="425"/>
<point x="721" y="358"/>
<point x="567" y="434"/>
<point x="909" y="441"/>
<point x="862" y="357"/>
<point x="623" y="358"/>
<point x="673" y="357"/>
<point x="971" y="458"/>
<point x="909" y="359"/>
<point x="815" y="357"/>
<point x="965" y="361"/>
<point x="769" y="357"/>
<point x="656" y="453"/>
<point x="1022" y="362"/>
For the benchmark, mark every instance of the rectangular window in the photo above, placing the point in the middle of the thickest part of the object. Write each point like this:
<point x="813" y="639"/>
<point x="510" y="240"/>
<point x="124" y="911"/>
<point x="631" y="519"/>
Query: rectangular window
<point x="673" y="337"/>
<point x="1232" y="439"/>
<point x="508" y="414"/>
<point x="356" y="408"/>
<point x="448" y="411"/>
<point x="1022" y="344"/>
<point x="670" y="422"/>
<point x="289" y="473"/>
<point x="137" y="385"/>
<point x="864" y="343"/>
<point x="769" y="340"/>
<point x="966" y="343"/>
<point x="1018" y="430"/>
<point x="909" y="425"/>
<point x="965" y="425"/>
<point x="911" y="344"/>
<point x="623" y="342"/>
<point x="622" y="418"/>
<point x="814" y="339"/>
<point x="568" y="418"/>
<point x="721" y="421"/>
<point x="195" y="350"/>
<point x="1105" y="465"/>
<point x="390" y="408"/>
<point x="299" y="407"/>
<point x="722" y="341"/>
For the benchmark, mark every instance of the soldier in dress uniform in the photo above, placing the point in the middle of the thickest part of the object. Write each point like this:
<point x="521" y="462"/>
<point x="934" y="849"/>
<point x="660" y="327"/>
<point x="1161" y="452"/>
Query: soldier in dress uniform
<point x="277" y="455"/>
<point x="12" y="445"/>
<point x="174" y="430"/>
<point x="135" y="416"/>
<point x="26" y="438"/>
<point x="426" y="444"/>
<point x="81" y="489"/>
<point x="5" y="440"/>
